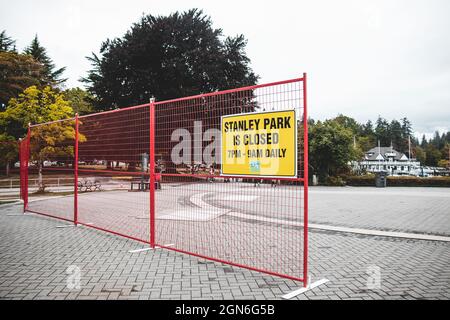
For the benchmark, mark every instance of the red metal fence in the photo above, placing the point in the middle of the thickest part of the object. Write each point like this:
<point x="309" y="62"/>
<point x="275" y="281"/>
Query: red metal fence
<point x="178" y="199"/>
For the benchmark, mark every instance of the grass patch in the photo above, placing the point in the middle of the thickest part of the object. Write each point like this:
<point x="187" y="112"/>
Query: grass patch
<point x="6" y="201"/>
<point x="48" y="193"/>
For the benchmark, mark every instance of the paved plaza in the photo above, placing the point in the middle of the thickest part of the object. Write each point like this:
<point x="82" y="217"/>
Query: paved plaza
<point x="37" y="258"/>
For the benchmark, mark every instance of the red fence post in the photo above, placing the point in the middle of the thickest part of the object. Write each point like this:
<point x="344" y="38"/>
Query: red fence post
<point x="305" y="185"/>
<point x="21" y="168"/>
<point x="75" y="185"/>
<point x="151" y="160"/>
<point x="26" y="157"/>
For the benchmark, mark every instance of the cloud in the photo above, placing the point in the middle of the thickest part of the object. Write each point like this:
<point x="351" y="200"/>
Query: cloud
<point x="364" y="58"/>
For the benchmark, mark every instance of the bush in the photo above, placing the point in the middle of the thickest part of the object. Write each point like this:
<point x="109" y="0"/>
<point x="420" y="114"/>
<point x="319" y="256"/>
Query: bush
<point x="405" y="181"/>
<point x="334" y="181"/>
<point x="418" y="182"/>
<point x="360" y="181"/>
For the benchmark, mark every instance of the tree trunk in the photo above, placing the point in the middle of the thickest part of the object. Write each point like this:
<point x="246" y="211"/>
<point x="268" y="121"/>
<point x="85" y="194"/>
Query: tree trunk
<point x="40" y="182"/>
<point x="7" y="168"/>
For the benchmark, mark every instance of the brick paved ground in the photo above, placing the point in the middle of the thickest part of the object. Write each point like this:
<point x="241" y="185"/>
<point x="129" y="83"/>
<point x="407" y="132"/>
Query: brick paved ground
<point x="34" y="257"/>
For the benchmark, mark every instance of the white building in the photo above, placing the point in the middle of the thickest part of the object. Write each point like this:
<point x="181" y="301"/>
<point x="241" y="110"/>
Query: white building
<point x="388" y="160"/>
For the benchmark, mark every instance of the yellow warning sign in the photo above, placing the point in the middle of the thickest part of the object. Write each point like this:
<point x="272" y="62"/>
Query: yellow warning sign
<point x="260" y="144"/>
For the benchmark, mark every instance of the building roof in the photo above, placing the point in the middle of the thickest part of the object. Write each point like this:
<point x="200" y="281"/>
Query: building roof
<point x="383" y="153"/>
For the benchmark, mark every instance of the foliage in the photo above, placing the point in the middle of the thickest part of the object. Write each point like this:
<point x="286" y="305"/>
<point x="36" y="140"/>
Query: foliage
<point x="53" y="141"/>
<point x="401" y="181"/>
<point x="9" y="151"/>
<point x="399" y="135"/>
<point x="443" y="163"/>
<point x="406" y="181"/>
<point x="6" y="43"/>
<point x="167" y="57"/>
<point x="395" y="133"/>
<point x="331" y="148"/>
<point x="33" y="106"/>
<point x="334" y="181"/>
<point x="367" y="180"/>
<point x="17" y="72"/>
<point x="51" y="74"/>
<point x="80" y="100"/>
<point x="420" y="154"/>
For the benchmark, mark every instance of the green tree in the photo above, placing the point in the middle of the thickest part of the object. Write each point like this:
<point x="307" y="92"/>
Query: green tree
<point x="50" y="141"/>
<point x="52" y="75"/>
<point x="331" y="148"/>
<point x="349" y="123"/>
<point x="80" y="100"/>
<point x="9" y="151"/>
<point x="33" y="106"/>
<point x="167" y="57"/>
<point x="396" y="136"/>
<point x="443" y="163"/>
<point x="365" y="143"/>
<point x="37" y="106"/>
<point x="424" y="141"/>
<point x="420" y="154"/>
<point x="383" y="131"/>
<point x="17" y="72"/>
<point x="445" y="154"/>
<point x="6" y="43"/>
<point x="406" y="128"/>
<point x="433" y="155"/>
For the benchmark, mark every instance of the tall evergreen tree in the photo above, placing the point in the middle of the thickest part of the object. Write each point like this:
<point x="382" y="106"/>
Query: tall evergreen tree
<point x="17" y="72"/>
<point x="6" y="43"/>
<point x="423" y="142"/>
<point x="52" y="75"/>
<point x="383" y="132"/>
<point x="406" y="127"/>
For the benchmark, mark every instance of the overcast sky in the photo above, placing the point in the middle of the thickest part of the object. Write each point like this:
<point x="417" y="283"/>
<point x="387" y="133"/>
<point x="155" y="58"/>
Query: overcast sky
<point x="363" y="58"/>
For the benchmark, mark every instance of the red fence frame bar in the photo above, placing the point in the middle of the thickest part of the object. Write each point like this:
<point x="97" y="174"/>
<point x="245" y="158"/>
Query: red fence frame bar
<point x="305" y="185"/>
<point x="112" y="172"/>
<point x="232" y="263"/>
<point x="21" y="168"/>
<point x="26" y="157"/>
<point x="112" y="232"/>
<point x="151" y="160"/>
<point x="75" y="183"/>
<point x="203" y="95"/>
<point x="49" y="215"/>
<point x="193" y="175"/>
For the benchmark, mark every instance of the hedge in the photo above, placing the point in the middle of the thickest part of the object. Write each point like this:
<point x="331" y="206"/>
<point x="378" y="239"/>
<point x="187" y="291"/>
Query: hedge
<point x="401" y="181"/>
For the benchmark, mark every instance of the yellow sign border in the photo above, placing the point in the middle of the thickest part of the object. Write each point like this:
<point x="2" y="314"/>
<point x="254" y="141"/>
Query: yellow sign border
<point x="260" y="175"/>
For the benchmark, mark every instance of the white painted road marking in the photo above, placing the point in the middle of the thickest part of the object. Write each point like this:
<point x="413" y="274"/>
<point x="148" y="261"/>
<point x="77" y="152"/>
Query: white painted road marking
<point x="303" y="290"/>
<point x="149" y="248"/>
<point x="343" y="229"/>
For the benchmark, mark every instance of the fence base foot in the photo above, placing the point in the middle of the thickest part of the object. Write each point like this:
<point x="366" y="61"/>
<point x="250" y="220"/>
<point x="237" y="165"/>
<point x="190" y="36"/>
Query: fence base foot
<point x="150" y="248"/>
<point x="311" y="286"/>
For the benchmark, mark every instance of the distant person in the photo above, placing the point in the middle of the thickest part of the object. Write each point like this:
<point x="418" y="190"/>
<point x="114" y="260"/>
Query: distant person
<point x="257" y="182"/>
<point x="211" y="173"/>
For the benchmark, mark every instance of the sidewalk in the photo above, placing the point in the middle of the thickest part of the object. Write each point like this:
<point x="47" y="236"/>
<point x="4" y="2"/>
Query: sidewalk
<point x="35" y="256"/>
